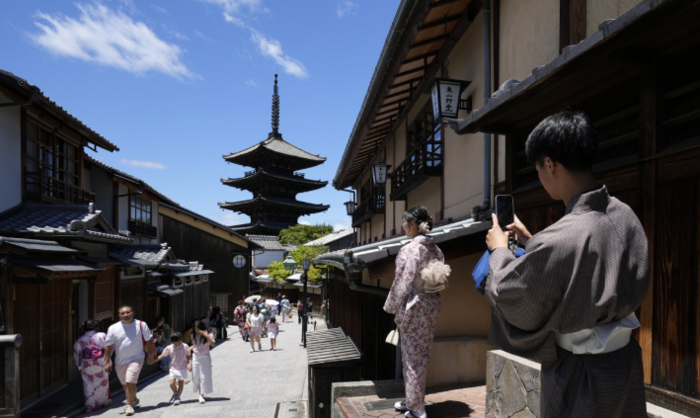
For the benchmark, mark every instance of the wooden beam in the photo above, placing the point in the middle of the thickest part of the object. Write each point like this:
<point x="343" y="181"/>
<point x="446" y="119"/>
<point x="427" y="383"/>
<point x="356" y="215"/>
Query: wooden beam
<point x="440" y="22"/>
<point x="648" y="123"/>
<point x="428" y="42"/>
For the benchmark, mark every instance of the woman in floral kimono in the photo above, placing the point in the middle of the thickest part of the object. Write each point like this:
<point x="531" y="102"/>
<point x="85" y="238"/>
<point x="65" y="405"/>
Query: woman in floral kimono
<point x="238" y="317"/>
<point x="415" y="300"/>
<point x="89" y="355"/>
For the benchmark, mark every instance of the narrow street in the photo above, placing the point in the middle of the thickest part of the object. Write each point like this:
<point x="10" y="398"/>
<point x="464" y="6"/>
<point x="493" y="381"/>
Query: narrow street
<point x="252" y="385"/>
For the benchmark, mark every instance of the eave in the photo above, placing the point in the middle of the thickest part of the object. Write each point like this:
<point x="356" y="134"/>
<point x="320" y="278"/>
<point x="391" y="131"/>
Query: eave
<point x="261" y="201"/>
<point x="297" y="182"/>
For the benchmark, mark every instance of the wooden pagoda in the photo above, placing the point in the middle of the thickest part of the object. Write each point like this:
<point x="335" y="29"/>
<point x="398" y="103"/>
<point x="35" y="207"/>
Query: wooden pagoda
<point x="274" y="181"/>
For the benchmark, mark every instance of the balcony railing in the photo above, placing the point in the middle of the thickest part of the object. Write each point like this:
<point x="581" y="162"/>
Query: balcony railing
<point x="423" y="162"/>
<point x="143" y="229"/>
<point x="47" y="189"/>
<point x="369" y="207"/>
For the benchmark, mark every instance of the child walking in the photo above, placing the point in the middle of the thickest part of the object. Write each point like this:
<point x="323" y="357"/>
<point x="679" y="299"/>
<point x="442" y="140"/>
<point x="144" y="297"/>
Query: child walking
<point x="272" y="330"/>
<point x="201" y="360"/>
<point x="180" y="364"/>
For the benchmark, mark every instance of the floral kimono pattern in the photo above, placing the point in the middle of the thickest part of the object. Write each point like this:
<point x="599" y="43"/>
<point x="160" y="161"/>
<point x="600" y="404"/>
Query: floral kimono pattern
<point x="416" y="315"/>
<point x="238" y="317"/>
<point x="92" y="370"/>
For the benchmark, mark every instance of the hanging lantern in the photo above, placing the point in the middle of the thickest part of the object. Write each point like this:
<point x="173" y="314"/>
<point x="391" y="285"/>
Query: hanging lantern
<point x="290" y="264"/>
<point x="350" y="207"/>
<point x="445" y="96"/>
<point x="380" y="172"/>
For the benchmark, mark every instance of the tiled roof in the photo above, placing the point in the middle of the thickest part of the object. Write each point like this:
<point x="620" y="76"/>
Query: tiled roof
<point x="150" y="254"/>
<point x="268" y="242"/>
<point x="34" y="94"/>
<point x="128" y="177"/>
<point x="278" y="201"/>
<point x="332" y="237"/>
<point x="79" y="221"/>
<point x="299" y="182"/>
<point x="280" y="146"/>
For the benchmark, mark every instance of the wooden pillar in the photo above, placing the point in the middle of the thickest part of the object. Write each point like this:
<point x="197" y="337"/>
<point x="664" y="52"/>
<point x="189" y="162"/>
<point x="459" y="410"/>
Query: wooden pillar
<point x="10" y="345"/>
<point x="647" y="188"/>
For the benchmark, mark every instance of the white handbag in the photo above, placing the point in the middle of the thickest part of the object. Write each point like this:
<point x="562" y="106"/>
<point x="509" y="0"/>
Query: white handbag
<point x="393" y="337"/>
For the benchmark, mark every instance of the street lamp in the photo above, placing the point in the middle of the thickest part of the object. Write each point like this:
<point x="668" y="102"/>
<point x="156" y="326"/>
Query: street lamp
<point x="350" y="207"/>
<point x="305" y="318"/>
<point x="380" y="173"/>
<point x="289" y="264"/>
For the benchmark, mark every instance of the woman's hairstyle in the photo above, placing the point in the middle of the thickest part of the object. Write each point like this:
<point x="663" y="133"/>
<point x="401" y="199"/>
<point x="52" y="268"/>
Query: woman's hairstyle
<point x="160" y="318"/>
<point x="421" y="216"/>
<point x="196" y="338"/>
<point x="273" y="319"/>
<point x="90" y="325"/>
<point x="255" y="309"/>
<point x="175" y="337"/>
<point x="566" y="137"/>
<point x="240" y="302"/>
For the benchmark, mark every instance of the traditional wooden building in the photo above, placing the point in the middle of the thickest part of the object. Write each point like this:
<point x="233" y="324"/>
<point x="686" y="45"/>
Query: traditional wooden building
<point x="274" y="182"/>
<point x="630" y="64"/>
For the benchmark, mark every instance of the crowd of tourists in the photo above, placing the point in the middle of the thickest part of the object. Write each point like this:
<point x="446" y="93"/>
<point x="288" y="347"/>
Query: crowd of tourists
<point x="184" y="356"/>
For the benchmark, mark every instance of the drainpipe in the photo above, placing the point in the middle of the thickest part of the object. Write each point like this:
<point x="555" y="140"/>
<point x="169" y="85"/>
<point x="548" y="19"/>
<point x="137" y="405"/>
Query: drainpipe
<point x="35" y="92"/>
<point x="486" y="205"/>
<point x="354" y="274"/>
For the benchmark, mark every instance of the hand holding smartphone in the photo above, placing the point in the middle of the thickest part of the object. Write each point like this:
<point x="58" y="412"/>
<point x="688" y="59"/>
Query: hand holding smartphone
<point x="505" y="210"/>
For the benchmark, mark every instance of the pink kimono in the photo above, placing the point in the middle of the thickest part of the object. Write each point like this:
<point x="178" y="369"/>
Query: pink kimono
<point x="88" y="352"/>
<point x="416" y="315"/>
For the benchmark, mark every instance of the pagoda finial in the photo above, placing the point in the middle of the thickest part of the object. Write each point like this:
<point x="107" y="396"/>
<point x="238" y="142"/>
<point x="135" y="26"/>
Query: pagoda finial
<point x="275" y="110"/>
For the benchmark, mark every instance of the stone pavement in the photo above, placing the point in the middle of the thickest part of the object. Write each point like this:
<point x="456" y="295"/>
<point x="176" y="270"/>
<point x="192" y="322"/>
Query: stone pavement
<point x="263" y="384"/>
<point x="441" y="402"/>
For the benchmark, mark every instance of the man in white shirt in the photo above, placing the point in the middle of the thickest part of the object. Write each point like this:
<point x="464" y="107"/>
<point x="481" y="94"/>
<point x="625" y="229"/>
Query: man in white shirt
<point x="285" y="307"/>
<point x="128" y="339"/>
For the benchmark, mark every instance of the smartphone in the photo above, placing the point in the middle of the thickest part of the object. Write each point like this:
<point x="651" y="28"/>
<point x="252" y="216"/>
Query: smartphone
<point x="505" y="210"/>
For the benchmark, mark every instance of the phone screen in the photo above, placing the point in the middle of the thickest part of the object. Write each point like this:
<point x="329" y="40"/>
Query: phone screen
<point x="504" y="210"/>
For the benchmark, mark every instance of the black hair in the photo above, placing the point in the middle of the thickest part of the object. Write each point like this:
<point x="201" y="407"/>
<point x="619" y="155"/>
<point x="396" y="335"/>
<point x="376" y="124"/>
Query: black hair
<point x="566" y="137"/>
<point x="175" y="337"/>
<point x="91" y="325"/>
<point x="273" y="319"/>
<point x="418" y="214"/>
<point x="125" y="306"/>
<point x="196" y="338"/>
<point x="160" y="318"/>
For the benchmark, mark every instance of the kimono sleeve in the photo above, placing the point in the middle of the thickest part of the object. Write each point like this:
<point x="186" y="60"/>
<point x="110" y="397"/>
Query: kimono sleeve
<point x="77" y="349"/>
<point x="407" y="263"/>
<point x="526" y="291"/>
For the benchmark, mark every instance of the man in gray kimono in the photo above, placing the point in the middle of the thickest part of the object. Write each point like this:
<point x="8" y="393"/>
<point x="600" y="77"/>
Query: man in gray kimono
<point x="569" y="302"/>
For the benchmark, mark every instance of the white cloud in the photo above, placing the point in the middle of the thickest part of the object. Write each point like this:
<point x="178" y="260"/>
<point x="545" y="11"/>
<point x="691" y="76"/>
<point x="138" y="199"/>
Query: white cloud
<point x="343" y="224"/>
<point x="229" y="218"/>
<point x="346" y="7"/>
<point x="304" y="223"/>
<point x="201" y="35"/>
<point x="233" y="9"/>
<point x="144" y="164"/>
<point x="109" y="38"/>
<point x="177" y="35"/>
<point x="159" y="9"/>
<point x="251" y="83"/>
<point x="268" y="47"/>
<point x="272" y="48"/>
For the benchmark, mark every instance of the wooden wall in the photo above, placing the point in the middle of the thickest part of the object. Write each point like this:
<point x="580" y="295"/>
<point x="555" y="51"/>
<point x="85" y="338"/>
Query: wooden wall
<point x="362" y="317"/>
<point x="216" y="254"/>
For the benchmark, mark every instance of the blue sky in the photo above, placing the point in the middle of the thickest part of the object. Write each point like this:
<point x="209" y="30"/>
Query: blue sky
<point x="177" y="84"/>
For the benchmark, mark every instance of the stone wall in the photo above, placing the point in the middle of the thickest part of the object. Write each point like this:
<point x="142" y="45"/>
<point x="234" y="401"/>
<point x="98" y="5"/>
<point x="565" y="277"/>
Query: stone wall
<point x="512" y="386"/>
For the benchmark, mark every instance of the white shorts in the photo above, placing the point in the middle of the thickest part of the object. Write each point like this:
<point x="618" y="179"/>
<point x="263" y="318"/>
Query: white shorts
<point x="176" y="374"/>
<point x="272" y="334"/>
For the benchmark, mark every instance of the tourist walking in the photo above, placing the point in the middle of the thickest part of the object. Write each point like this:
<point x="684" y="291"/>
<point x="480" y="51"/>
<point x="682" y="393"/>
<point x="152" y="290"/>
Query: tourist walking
<point x="180" y="363"/>
<point x="255" y="322"/>
<point x="569" y="301"/>
<point x="89" y="355"/>
<point x="273" y="330"/>
<point x="240" y="318"/>
<point x="309" y="308"/>
<point x="216" y="323"/>
<point x="246" y="328"/>
<point x="300" y="310"/>
<point x="285" y="307"/>
<point x="201" y="360"/>
<point x="416" y="311"/>
<point x="128" y="339"/>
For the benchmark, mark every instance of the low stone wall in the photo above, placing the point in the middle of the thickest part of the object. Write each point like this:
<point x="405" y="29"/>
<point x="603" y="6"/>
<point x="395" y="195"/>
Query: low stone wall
<point x="512" y="386"/>
<point x="457" y="360"/>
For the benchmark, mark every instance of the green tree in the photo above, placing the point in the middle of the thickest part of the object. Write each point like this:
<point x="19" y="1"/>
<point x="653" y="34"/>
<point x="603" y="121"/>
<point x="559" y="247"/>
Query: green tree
<point x="276" y="271"/>
<point x="309" y="252"/>
<point x="301" y="234"/>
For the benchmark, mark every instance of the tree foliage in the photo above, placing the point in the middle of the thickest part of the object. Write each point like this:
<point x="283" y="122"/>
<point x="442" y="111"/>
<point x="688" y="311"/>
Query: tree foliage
<point x="309" y="252"/>
<point x="301" y="234"/>
<point x="276" y="271"/>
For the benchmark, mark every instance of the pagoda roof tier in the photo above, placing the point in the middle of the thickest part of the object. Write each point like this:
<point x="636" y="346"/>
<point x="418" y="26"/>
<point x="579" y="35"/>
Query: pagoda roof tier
<point x="253" y="181"/>
<point x="275" y="151"/>
<point x="292" y="205"/>
<point x="261" y="228"/>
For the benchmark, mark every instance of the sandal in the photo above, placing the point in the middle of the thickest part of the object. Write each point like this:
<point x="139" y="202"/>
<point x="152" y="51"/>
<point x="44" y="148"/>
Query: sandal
<point x="411" y="414"/>
<point x="401" y="406"/>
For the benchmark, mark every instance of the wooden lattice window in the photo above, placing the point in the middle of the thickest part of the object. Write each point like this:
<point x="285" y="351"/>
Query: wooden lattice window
<point x="140" y="210"/>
